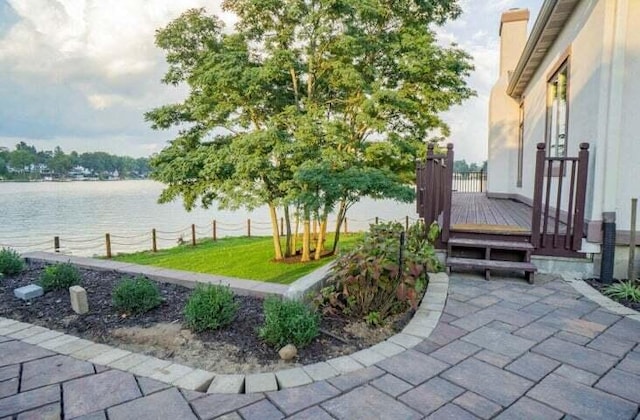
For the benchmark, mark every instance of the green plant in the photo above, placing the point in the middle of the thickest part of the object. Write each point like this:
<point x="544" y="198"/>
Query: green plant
<point x="137" y="295"/>
<point x="210" y="307"/>
<point x="10" y="262"/>
<point x="59" y="277"/>
<point x="625" y="290"/>
<point x="288" y="322"/>
<point x="374" y="281"/>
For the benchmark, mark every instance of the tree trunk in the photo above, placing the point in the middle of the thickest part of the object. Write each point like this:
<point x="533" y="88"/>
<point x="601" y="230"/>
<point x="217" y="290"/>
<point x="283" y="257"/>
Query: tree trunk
<point x="275" y="232"/>
<point x="289" y="244"/>
<point x="295" y="236"/>
<point x="322" y="234"/>
<point x="342" y="211"/>
<point x="306" y="239"/>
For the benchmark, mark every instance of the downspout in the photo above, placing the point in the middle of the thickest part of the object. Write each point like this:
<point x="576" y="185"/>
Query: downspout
<point x="613" y="132"/>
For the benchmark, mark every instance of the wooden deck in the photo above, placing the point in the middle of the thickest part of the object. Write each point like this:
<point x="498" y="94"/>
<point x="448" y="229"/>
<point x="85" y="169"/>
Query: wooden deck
<point x="477" y="212"/>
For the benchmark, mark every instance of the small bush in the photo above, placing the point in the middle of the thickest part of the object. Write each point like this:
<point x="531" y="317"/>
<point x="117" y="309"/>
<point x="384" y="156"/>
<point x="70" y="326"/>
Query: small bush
<point x="372" y="282"/>
<point x="59" y="277"/>
<point x="628" y="290"/>
<point x="210" y="307"/>
<point x="10" y="262"/>
<point x="289" y="322"/>
<point x="136" y="296"/>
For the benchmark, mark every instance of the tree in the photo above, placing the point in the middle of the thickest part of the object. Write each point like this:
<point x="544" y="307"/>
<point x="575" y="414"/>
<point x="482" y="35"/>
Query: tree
<point x="321" y="102"/>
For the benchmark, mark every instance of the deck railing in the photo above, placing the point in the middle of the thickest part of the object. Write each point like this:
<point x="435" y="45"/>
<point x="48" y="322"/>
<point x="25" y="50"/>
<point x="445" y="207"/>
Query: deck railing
<point x="553" y="177"/>
<point x="434" y="182"/>
<point x="470" y="181"/>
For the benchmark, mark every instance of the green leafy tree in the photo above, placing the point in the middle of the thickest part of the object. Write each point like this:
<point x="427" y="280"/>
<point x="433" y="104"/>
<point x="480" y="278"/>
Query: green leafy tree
<point x="309" y="103"/>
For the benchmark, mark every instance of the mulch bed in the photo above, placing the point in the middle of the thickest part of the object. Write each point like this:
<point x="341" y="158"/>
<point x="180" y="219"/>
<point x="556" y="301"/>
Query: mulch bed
<point x="601" y="286"/>
<point x="53" y="310"/>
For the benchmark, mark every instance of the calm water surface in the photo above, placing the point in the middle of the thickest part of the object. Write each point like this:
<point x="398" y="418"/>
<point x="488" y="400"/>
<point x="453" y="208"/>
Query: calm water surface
<point x="80" y="213"/>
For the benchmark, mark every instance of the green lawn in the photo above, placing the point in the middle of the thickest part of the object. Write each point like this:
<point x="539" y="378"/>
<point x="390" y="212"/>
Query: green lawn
<point x="248" y="258"/>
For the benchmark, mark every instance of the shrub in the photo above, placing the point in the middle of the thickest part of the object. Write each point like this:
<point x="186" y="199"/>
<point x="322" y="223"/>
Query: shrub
<point x="59" y="277"/>
<point x="210" y="307"/>
<point x="628" y="290"/>
<point x="288" y="322"/>
<point x="10" y="262"/>
<point x="371" y="282"/>
<point x="135" y="296"/>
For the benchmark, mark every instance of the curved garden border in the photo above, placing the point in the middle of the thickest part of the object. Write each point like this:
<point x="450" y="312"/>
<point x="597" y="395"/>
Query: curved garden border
<point x="420" y="327"/>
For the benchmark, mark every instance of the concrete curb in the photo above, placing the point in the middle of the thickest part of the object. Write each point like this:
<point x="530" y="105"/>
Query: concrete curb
<point x="420" y="327"/>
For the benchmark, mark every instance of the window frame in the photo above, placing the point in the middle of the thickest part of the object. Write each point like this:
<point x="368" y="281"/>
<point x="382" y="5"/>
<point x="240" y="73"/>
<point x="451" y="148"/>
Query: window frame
<point x="562" y="66"/>
<point x="520" y="143"/>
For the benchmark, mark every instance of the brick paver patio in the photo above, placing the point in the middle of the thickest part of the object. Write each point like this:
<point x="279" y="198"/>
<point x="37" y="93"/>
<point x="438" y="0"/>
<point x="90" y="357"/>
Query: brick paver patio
<point x="502" y="349"/>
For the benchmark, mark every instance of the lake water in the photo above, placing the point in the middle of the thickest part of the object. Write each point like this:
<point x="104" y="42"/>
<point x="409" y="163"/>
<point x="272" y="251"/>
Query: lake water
<point x="80" y="213"/>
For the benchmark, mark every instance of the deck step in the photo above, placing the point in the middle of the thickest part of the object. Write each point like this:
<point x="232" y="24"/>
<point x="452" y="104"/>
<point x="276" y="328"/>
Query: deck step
<point x="484" y="243"/>
<point x="488" y="265"/>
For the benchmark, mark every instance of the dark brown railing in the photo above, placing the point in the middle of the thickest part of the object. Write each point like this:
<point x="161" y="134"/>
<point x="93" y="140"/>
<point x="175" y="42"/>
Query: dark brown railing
<point x="470" y="181"/>
<point x="434" y="181"/>
<point x="554" y="231"/>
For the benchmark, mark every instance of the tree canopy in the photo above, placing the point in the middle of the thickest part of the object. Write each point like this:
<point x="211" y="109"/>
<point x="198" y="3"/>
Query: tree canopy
<point x="306" y="105"/>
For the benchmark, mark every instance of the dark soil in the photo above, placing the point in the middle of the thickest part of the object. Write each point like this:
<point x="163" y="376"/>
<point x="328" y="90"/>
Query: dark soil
<point x="601" y="286"/>
<point x="159" y="332"/>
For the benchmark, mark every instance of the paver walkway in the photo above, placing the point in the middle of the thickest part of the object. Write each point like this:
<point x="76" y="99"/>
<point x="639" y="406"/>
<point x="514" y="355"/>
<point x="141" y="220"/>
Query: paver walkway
<point x="502" y="349"/>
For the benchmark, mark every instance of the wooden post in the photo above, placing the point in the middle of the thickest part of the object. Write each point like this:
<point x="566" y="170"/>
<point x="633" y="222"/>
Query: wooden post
<point x="346" y="229"/>
<point x="107" y="239"/>
<point x="215" y="233"/>
<point x="282" y="226"/>
<point x="632" y="240"/>
<point x="446" y="205"/>
<point x="193" y="234"/>
<point x="376" y="220"/>
<point x="406" y="223"/>
<point x="536" y="212"/>
<point x="481" y="179"/>
<point x="154" y="243"/>
<point x="581" y="194"/>
<point x="56" y="244"/>
<point x="249" y="228"/>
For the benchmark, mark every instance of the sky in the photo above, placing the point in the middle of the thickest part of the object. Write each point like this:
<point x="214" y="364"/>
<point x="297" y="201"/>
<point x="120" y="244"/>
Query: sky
<point x="80" y="74"/>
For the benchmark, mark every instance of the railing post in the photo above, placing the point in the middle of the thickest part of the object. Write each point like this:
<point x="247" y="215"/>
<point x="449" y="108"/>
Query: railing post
<point x="154" y="244"/>
<point x="56" y="244"/>
<point x="581" y="194"/>
<point x="107" y="240"/>
<point x="481" y="180"/>
<point x="446" y="205"/>
<point x="537" y="195"/>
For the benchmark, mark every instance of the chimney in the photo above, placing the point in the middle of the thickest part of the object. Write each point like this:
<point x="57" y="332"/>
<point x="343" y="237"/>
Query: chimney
<point x="513" y="37"/>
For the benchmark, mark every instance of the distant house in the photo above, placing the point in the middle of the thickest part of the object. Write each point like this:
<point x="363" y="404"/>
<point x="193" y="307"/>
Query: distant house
<point x="574" y="79"/>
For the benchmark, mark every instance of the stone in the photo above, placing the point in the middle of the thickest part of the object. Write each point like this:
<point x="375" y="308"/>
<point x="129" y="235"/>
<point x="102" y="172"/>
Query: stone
<point x="290" y="378"/>
<point x="344" y="364"/>
<point x="91" y="352"/>
<point x="499" y="341"/>
<point x="413" y="366"/>
<point x="48" y="412"/>
<point x="455" y="352"/>
<point x="197" y="380"/>
<point x="526" y="408"/>
<point x="431" y="395"/>
<point x="367" y="402"/>
<point x="357" y="378"/>
<point x="581" y="401"/>
<point x="9" y="387"/>
<point x="533" y="366"/>
<point x="171" y="373"/>
<point x="622" y="384"/>
<point x="226" y="384"/>
<point x="128" y="362"/>
<point x="98" y="392"/>
<point x="288" y="352"/>
<point x="405" y="340"/>
<point x="260" y="382"/>
<point x="42" y="337"/>
<point x="576" y="355"/>
<point x="30" y="399"/>
<point x="12" y="352"/>
<point x="452" y="411"/>
<point x="577" y="375"/>
<point x="215" y="405"/>
<point x="477" y="405"/>
<point x="149" y="386"/>
<point x="483" y="379"/>
<point x="110" y="356"/>
<point x="28" y="292"/>
<point x="391" y="385"/>
<point x="313" y="413"/>
<point x="320" y="371"/>
<point x="52" y="370"/>
<point x="167" y="404"/>
<point x="28" y="332"/>
<point x="262" y="410"/>
<point x="367" y="357"/>
<point x="79" y="302"/>
<point x="292" y="400"/>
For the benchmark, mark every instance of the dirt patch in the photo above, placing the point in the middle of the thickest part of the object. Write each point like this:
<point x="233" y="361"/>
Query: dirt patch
<point x="161" y="333"/>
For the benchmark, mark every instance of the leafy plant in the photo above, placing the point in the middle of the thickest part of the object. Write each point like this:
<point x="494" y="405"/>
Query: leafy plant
<point x="374" y="281"/>
<point x="289" y="322"/>
<point x="10" y="262"/>
<point x="210" y="307"/>
<point x="59" y="277"/>
<point x="629" y="290"/>
<point x="137" y="295"/>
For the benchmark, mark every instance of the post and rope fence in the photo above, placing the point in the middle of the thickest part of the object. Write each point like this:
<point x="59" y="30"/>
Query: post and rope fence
<point x="109" y="244"/>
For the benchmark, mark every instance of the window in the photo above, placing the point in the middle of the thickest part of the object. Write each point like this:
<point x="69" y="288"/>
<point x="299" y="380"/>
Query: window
<point x="520" y="143"/>
<point x="558" y="111"/>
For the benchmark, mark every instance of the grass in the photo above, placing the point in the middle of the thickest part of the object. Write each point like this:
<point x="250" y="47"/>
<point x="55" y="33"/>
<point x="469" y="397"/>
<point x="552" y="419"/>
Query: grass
<point x="243" y="257"/>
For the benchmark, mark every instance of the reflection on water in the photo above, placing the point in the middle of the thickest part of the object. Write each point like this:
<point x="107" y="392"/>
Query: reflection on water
<point x="80" y="213"/>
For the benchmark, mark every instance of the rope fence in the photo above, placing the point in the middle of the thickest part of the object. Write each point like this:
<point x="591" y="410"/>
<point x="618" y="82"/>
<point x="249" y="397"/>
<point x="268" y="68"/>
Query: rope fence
<point x="155" y="240"/>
